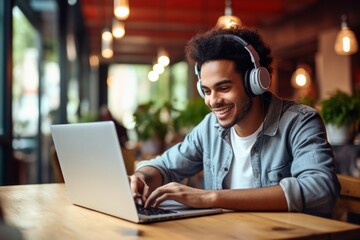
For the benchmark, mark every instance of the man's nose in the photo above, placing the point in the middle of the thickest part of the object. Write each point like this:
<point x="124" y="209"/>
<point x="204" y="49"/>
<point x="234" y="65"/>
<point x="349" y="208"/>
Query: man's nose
<point x="214" y="99"/>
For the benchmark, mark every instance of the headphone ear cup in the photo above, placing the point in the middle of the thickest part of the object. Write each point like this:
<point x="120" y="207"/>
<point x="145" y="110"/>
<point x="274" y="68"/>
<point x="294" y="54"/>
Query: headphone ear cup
<point x="259" y="80"/>
<point x="198" y="86"/>
<point x="247" y="83"/>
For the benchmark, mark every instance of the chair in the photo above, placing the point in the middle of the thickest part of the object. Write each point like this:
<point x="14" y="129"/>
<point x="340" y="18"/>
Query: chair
<point x="129" y="159"/>
<point x="56" y="166"/>
<point x="348" y="204"/>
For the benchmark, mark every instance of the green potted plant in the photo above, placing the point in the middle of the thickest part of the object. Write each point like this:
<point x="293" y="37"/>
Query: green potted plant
<point x="159" y="126"/>
<point x="153" y="122"/>
<point x="340" y="112"/>
<point x="188" y="118"/>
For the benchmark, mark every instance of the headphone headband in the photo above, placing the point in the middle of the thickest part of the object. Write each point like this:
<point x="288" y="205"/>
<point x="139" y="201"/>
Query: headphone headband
<point x="255" y="59"/>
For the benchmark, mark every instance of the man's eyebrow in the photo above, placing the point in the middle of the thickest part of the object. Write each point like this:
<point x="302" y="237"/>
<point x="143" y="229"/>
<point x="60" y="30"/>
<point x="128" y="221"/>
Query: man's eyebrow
<point x="225" y="81"/>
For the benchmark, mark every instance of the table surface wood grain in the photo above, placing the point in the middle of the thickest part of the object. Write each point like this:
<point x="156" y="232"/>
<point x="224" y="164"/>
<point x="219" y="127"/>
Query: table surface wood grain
<point x="44" y="211"/>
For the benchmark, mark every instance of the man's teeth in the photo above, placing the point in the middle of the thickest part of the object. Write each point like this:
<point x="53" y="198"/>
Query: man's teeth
<point x="224" y="110"/>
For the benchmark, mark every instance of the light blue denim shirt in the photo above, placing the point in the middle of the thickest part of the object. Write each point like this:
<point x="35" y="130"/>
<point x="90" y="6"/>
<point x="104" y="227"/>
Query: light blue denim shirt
<point x="292" y="151"/>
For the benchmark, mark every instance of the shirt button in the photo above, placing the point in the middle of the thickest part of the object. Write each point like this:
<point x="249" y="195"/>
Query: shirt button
<point x="226" y="169"/>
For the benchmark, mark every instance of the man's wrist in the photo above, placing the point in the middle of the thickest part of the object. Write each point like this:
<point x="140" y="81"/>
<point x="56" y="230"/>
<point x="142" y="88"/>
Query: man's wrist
<point x="141" y="174"/>
<point x="150" y="175"/>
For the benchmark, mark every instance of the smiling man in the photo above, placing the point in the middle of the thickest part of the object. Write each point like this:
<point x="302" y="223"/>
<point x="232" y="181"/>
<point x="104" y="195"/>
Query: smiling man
<point x="258" y="152"/>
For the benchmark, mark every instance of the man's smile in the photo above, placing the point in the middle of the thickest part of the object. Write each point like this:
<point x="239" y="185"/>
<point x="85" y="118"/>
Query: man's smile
<point x="221" y="112"/>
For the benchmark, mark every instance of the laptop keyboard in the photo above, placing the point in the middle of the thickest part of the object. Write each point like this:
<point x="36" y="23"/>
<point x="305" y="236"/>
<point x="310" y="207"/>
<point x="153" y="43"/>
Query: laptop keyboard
<point x="151" y="210"/>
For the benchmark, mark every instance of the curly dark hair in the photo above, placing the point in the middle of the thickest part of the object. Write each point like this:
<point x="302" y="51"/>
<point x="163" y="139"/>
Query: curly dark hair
<point x="212" y="45"/>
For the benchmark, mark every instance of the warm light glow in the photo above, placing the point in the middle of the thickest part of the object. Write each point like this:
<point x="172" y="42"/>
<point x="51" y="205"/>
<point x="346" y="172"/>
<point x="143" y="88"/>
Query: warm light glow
<point x="106" y="44"/>
<point x="163" y="57"/>
<point x="118" y="29"/>
<point x="164" y="60"/>
<point x="228" y="20"/>
<point x="346" y="43"/>
<point x="153" y="76"/>
<point x="109" y="81"/>
<point x="158" y="68"/>
<point x="107" y="53"/>
<point x="94" y="61"/>
<point x="121" y="9"/>
<point x="301" y="78"/>
<point x="106" y="35"/>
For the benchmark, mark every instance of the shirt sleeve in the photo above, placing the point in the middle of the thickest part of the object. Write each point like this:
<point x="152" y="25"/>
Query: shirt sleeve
<point x="313" y="187"/>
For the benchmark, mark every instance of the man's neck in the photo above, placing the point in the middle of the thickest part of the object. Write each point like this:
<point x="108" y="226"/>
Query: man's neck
<point x="253" y="120"/>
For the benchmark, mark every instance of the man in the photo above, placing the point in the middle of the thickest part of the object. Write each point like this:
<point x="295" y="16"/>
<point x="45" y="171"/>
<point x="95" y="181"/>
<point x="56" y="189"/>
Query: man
<point x="258" y="152"/>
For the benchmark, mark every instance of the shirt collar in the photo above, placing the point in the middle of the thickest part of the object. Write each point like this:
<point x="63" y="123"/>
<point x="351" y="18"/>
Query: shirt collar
<point x="272" y="119"/>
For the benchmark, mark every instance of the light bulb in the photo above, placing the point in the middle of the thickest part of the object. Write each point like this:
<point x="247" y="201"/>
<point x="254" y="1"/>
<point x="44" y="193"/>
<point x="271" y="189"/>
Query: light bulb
<point x="106" y="35"/>
<point x="158" y="68"/>
<point x="118" y="29"/>
<point x="228" y="20"/>
<point x="121" y="9"/>
<point x="94" y="61"/>
<point x="153" y="76"/>
<point x="346" y="43"/>
<point x="300" y="78"/>
<point x="106" y="44"/>
<point x="163" y="57"/>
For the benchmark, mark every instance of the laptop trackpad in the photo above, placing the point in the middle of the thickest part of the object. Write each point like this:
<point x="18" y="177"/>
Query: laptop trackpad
<point x="173" y="205"/>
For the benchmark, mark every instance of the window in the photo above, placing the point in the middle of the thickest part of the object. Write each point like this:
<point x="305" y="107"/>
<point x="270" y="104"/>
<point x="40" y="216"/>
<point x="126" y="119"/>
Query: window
<point x="35" y="89"/>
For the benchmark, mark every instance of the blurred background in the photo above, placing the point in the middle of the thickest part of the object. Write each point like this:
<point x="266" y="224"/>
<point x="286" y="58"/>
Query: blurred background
<point x="62" y="61"/>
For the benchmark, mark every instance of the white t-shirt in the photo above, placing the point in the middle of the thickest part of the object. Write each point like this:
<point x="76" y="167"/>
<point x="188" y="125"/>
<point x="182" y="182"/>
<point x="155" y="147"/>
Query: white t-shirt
<point x="240" y="174"/>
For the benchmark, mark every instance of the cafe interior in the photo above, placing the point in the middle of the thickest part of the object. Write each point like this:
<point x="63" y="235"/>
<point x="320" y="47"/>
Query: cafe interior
<point x="63" y="61"/>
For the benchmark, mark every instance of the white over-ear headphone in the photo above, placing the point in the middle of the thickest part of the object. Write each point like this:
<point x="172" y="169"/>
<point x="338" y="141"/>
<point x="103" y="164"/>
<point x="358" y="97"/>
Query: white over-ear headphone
<point x="257" y="80"/>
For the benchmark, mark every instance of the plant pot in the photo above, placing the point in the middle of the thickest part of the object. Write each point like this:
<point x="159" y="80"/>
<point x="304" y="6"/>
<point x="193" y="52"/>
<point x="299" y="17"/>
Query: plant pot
<point x="339" y="134"/>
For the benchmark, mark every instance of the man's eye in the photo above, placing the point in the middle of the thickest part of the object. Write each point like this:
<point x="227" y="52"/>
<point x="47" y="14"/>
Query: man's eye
<point x="206" y="92"/>
<point x="224" y="89"/>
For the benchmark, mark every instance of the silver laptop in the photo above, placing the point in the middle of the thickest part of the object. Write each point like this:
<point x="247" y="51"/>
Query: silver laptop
<point x="95" y="175"/>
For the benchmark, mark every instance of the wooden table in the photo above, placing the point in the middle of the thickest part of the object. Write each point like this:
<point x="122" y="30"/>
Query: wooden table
<point x="45" y="212"/>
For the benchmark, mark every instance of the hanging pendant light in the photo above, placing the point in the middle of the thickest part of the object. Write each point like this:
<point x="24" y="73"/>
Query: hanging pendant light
<point x="301" y="77"/>
<point x="121" y="9"/>
<point x="158" y="68"/>
<point x="228" y="20"/>
<point x="346" y="43"/>
<point x="94" y="61"/>
<point x="163" y="57"/>
<point x="106" y="44"/>
<point x="118" y="28"/>
<point x="153" y="76"/>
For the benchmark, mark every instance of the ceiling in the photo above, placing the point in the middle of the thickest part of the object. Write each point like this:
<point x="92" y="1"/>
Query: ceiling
<point x="171" y="23"/>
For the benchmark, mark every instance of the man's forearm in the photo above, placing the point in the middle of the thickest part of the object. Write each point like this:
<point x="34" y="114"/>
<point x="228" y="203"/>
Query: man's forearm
<point x="257" y="199"/>
<point x="151" y="176"/>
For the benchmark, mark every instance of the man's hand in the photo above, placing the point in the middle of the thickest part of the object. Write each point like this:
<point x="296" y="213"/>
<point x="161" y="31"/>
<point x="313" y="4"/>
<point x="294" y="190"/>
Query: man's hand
<point x="139" y="188"/>
<point x="144" y="181"/>
<point x="189" y="196"/>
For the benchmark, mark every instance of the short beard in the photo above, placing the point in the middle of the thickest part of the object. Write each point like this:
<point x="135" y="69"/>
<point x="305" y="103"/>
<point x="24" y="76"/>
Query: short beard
<point x="245" y="106"/>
